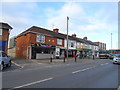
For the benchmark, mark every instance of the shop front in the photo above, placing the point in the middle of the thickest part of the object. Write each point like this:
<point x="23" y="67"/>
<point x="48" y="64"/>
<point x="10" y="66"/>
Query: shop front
<point x="84" y="52"/>
<point x="42" y="51"/>
<point x="59" y="52"/>
<point x="87" y="53"/>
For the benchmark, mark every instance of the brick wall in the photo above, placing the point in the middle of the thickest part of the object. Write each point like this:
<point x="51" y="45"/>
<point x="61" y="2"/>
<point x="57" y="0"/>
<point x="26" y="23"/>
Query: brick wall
<point x="48" y="40"/>
<point x="23" y="42"/>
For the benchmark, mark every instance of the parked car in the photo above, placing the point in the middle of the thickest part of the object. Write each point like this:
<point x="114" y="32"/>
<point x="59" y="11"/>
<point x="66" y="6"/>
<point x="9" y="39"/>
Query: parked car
<point x="5" y="60"/>
<point x="116" y="59"/>
<point x="111" y="56"/>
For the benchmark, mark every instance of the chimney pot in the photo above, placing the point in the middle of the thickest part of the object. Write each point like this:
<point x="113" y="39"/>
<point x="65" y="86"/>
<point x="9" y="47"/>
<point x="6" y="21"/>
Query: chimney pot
<point x="74" y="35"/>
<point x="85" y="38"/>
<point x="56" y="30"/>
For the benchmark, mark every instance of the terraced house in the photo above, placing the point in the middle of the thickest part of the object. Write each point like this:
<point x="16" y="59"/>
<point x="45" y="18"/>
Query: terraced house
<point x="41" y="43"/>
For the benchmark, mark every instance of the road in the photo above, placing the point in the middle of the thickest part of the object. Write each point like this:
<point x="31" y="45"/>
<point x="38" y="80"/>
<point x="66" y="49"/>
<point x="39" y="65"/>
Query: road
<point x="97" y="74"/>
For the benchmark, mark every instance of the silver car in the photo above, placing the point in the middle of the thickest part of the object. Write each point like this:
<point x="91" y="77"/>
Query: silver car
<point x="116" y="59"/>
<point x="4" y="60"/>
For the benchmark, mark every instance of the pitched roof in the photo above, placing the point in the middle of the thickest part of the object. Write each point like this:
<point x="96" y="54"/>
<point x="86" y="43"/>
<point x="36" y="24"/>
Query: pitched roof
<point x="35" y="29"/>
<point x="5" y="26"/>
<point x="91" y="43"/>
<point x="43" y="31"/>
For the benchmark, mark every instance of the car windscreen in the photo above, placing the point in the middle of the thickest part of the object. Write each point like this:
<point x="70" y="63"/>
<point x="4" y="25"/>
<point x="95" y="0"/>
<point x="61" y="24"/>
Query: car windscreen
<point x="118" y="56"/>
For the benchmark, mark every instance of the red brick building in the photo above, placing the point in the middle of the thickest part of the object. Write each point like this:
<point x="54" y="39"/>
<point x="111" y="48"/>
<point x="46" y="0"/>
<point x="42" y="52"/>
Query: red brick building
<point x="4" y="36"/>
<point x="39" y="43"/>
<point x="102" y="46"/>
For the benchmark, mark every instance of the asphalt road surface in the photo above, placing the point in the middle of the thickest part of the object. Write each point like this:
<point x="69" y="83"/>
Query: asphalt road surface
<point x="97" y="74"/>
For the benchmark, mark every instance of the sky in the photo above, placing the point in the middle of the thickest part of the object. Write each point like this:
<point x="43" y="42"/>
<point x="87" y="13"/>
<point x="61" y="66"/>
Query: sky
<point x="96" y="20"/>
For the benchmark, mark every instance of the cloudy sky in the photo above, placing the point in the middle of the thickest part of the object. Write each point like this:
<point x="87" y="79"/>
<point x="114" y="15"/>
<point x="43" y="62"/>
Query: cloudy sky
<point x="96" y="20"/>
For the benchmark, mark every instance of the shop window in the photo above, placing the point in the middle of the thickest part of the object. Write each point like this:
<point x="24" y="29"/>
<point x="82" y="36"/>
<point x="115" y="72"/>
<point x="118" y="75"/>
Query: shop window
<point x="46" y="51"/>
<point x="40" y="38"/>
<point x="59" y="41"/>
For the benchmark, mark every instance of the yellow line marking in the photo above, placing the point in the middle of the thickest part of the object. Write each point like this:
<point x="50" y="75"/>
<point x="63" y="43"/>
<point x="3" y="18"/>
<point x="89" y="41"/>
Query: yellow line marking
<point x="16" y="64"/>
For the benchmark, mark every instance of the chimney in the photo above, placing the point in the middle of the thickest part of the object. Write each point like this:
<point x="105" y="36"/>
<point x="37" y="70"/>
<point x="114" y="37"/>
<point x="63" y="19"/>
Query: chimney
<point x="56" y="30"/>
<point x="85" y="38"/>
<point x="74" y="35"/>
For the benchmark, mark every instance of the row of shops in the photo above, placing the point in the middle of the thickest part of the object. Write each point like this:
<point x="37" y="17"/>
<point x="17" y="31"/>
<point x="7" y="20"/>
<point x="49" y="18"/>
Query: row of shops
<point x="43" y="51"/>
<point x="40" y="43"/>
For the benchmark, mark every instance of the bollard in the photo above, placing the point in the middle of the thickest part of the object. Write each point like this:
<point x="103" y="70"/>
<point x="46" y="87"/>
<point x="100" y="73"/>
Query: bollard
<point x="51" y="59"/>
<point x="93" y="57"/>
<point x="75" y="59"/>
<point x="64" y="60"/>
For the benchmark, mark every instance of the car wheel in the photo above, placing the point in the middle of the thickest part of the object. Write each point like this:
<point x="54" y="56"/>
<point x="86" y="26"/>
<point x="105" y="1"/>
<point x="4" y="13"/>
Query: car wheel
<point x="113" y="63"/>
<point x="9" y="64"/>
<point x="1" y="66"/>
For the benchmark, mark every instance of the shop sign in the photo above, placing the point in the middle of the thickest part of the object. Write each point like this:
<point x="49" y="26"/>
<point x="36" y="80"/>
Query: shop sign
<point x="45" y="45"/>
<point x="42" y="45"/>
<point x="79" y="46"/>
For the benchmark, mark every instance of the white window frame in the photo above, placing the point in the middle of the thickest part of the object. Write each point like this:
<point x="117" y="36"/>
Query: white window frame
<point x="59" y="41"/>
<point x="72" y="44"/>
<point x="38" y="38"/>
<point x="0" y="31"/>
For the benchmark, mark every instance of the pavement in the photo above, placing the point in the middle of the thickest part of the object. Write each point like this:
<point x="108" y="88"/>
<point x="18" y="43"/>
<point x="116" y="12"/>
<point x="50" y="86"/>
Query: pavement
<point x="22" y="62"/>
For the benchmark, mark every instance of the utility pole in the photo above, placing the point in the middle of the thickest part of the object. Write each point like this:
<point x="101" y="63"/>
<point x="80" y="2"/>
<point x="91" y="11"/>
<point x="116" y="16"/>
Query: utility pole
<point x="111" y="40"/>
<point x="67" y="37"/>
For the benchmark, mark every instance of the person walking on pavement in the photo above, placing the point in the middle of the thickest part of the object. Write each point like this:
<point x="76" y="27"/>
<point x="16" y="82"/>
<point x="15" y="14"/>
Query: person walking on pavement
<point x="93" y="54"/>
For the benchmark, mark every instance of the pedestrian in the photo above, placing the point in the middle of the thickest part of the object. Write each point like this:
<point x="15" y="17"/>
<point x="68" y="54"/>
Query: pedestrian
<point x="51" y="57"/>
<point x="93" y="54"/>
<point x="93" y="57"/>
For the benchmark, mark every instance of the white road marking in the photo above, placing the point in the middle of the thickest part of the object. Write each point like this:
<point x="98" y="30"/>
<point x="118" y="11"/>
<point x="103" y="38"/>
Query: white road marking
<point x="104" y="64"/>
<point x="33" y="83"/>
<point x="83" y="69"/>
<point x="80" y="70"/>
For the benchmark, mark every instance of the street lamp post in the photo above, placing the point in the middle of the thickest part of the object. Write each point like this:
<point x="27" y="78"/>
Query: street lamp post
<point x="111" y="40"/>
<point x="67" y="37"/>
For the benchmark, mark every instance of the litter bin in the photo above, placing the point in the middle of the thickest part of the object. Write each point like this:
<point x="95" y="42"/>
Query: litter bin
<point x="80" y="56"/>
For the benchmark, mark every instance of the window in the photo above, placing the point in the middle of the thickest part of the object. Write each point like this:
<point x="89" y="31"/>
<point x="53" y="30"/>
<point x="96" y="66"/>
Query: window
<point x="40" y="38"/>
<point x="72" y="44"/>
<point x="59" y="41"/>
<point x="0" y="31"/>
<point x="90" y="47"/>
